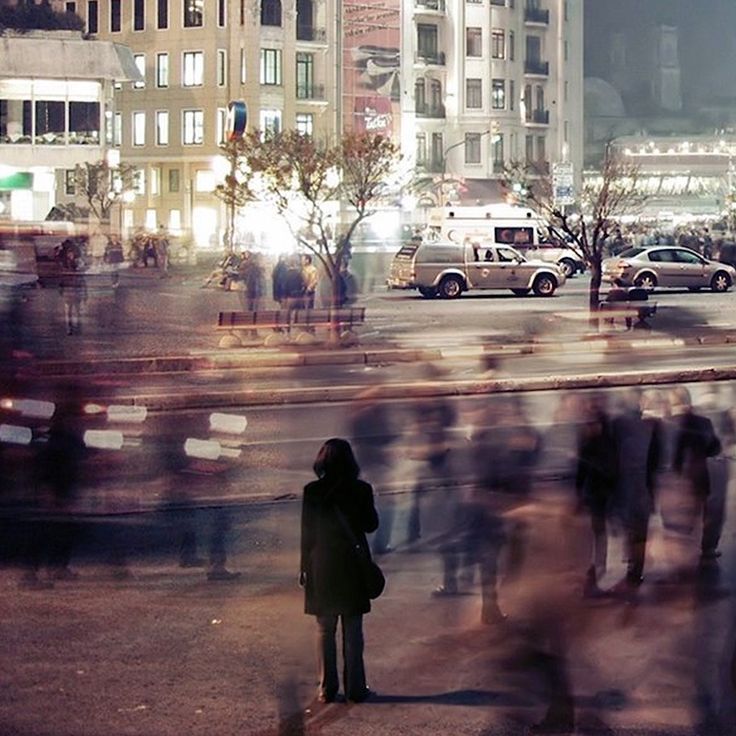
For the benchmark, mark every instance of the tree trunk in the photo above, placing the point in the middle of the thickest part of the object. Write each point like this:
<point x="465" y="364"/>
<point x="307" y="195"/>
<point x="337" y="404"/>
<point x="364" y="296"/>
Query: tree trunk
<point x="594" y="292"/>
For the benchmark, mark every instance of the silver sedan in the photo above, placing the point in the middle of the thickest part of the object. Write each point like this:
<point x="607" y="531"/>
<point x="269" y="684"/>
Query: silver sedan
<point x="667" y="266"/>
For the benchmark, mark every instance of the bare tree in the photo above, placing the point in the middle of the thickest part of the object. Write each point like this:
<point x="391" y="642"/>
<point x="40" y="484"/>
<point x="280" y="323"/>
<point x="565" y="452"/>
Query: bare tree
<point x="305" y="179"/>
<point x="235" y="191"/>
<point x="586" y="227"/>
<point x="102" y="186"/>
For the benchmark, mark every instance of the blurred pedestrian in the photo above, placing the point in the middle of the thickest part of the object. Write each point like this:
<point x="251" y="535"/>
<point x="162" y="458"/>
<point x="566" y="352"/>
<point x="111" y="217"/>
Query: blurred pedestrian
<point x="293" y="286"/>
<point x="637" y="434"/>
<point x="278" y="280"/>
<point x="595" y="483"/>
<point x="310" y="276"/>
<point x="73" y="290"/>
<point x="337" y="507"/>
<point x="695" y="442"/>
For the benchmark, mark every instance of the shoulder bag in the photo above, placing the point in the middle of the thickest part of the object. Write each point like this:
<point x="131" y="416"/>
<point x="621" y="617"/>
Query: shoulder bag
<point x="374" y="580"/>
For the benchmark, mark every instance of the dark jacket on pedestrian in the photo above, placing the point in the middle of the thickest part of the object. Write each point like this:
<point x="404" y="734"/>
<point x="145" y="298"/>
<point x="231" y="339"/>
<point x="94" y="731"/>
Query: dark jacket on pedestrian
<point x="333" y="584"/>
<point x="595" y="478"/>
<point x="695" y="442"/>
<point x="278" y="280"/>
<point x="293" y="283"/>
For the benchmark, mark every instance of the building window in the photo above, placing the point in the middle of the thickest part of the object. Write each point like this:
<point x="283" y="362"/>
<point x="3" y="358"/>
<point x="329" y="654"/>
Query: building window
<point x="305" y="123"/>
<point x="472" y="148"/>
<point x="427" y="41"/>
<point x="566" y="48"/>
<point x="117" y="129"/>
<point x="155" y="182"/>
<point x="566" y="133"/>
<point x="498" y="157"/>
<point x="242" y="66"/>
<point x="162" y="127"/>
<point x="271" y="66"/>
<point x="162" y="14"/>
<point x="566" y="10"/>
<point x="270" y="12"/>
<point x="70" y="7"/>
<point x="139" y="15"/>
<point x="270" y="122"/>
<point x="420" y="95"/>
<point x="220" y="125"/>
<point x="304" y="76"/>
<point x="93" y="16"/>
<point x="162" y="70"/>
<point x="421" y="149"/>
<point x="70" y="182"/>
<point x="115" y="16"/>
<point x="139" y="129"/>
<point x="438" y="151"/>
<point x="174" y="181"/>
<point x="192" y="127"/>
<point x="512" y="45"/>
<point x="221" y="13"/>
<point x="512" y="94"/>
<point x="473" y="42"/>
<point x="193" y="13"/>
<point x="193" y="69"/>
<point x="474" y="94"/>
<point x="221" y="67"/>
<point x="139" y="181"/>
<point x="498" y="94"/>
<point x="498" y="43"/>
<point x="140" y="62"/>
<point x="502" y="3"/>
<point x="540" y="97"/>
<point x="541" y="148"/>
<point x="529" y="149"/>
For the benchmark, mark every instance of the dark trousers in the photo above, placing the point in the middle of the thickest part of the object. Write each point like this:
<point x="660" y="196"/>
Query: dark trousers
<point x="636" y="538"/>
<point x="352" y="652"/>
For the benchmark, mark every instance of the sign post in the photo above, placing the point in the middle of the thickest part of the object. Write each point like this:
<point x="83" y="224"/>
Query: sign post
<point x="563" y="184"/>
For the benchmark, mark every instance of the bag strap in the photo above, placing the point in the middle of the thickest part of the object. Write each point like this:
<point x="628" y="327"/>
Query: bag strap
<point x="348" y="530"/>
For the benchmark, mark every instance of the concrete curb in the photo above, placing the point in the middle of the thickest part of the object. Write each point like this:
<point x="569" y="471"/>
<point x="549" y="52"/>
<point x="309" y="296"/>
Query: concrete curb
<point x="425" y="389"/>
<point x="245" y="359"/>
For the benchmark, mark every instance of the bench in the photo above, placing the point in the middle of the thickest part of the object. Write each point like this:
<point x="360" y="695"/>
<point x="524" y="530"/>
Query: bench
<point x="629" y="304"/>
<point x="281" y="322"/>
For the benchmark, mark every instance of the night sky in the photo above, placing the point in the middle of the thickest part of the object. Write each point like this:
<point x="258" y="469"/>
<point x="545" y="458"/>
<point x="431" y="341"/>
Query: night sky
<point x="707" y="40"/>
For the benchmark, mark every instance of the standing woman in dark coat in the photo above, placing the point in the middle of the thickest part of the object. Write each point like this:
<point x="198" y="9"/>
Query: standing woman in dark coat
<point x="330" y="571"/>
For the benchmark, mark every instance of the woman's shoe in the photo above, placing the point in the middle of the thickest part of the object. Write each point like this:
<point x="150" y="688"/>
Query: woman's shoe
<point x="362" y="697"/>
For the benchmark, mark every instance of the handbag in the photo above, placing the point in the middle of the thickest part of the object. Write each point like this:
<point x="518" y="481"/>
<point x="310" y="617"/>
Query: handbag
<point x="374" y="581"/>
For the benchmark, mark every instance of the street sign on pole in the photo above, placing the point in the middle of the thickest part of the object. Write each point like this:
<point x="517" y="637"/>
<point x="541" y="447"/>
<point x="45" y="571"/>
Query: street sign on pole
<point x="563" y="183"/>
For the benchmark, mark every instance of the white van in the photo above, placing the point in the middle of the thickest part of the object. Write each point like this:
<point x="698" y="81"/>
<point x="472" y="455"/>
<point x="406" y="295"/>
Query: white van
<point x="503" y="225"/>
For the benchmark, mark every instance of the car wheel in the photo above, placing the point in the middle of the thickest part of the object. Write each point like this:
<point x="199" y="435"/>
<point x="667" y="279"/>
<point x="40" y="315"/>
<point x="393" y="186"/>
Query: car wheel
<point x="544" y="285"/>
<point x="520" y="292"/>
<point x="451" y="287"/>
<point x="720" y="282"/>
<point x="568" y="267"/>
<point x="428" y="292"/>
<point x="646" y="281"/>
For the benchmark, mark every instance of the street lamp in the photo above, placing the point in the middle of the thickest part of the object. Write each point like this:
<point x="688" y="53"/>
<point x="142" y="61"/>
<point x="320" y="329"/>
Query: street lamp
<point x="493" y="130"/>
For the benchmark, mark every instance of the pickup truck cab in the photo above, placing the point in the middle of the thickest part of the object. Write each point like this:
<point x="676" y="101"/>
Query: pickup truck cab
<point x="447" y="269"/>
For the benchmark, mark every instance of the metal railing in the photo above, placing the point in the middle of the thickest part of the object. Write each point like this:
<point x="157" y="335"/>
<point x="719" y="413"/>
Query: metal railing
<point x="438" y="5"/>
<point x="430" y="111"/>
<point x="437" y="57"/>
<point x="541" y="117"/>
<point x="536" y="15"/>
<point x="310" y="92"/>
<point x="535" y="66"/>
<point x="310" y="33"/>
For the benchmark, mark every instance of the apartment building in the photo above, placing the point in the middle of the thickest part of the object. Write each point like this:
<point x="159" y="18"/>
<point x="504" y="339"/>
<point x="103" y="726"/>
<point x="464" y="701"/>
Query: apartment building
<point x="487" y="82"/>
<point x="195" y="57"/>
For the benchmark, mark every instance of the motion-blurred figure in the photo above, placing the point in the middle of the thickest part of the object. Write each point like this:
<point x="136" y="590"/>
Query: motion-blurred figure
<point x="637" y="436"/>
<point x="73" y="289"/>
<point x="595" y="483"/>
<point x="373" y="434"/>
<point x="695" y="442"/>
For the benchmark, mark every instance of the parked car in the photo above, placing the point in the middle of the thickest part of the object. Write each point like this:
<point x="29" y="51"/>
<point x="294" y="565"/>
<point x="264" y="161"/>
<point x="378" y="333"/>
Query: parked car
<point x="551" y="252"/>
<point x="667" y="266"/>
<point x="447" y="269"/>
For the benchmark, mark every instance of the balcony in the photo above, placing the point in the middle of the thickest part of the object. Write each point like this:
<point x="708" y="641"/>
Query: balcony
<point x="429" y="111"/>
<point x="311" y="92"/>
<point x="537" y="68"/>
<point x="310" y="34"/>
<point x="433" y="58"/>
<point x="537" y="117"/>
<point x="430" y="6"/>
<point x="536" y="16"/>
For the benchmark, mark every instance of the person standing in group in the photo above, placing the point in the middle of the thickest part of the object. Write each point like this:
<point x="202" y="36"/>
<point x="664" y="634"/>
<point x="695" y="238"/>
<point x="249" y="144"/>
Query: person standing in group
<point x="293" y="287"/>
<point x="310" y="276"/>
<point x="73" y="289"/>
<point x="337" y="507"/>
<point x="278" y="280"/>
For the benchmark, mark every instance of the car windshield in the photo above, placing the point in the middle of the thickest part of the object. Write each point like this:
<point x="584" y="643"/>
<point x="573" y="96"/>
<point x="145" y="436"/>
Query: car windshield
<point x="630" y="252"/>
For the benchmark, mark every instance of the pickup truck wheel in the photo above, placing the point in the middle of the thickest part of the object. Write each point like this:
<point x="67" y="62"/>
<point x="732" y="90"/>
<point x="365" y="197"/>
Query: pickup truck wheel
<point x="520" y="292"/>
<point x="450" y="287"/>
<point x="544" y="285"/>
<point x="428" y="292"/>
<point x="568" y="267"/>
<point x="720" y="282"/>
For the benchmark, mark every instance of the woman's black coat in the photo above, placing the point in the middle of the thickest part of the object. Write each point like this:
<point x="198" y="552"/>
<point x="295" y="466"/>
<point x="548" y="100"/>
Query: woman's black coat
<point x="333" y="584"/>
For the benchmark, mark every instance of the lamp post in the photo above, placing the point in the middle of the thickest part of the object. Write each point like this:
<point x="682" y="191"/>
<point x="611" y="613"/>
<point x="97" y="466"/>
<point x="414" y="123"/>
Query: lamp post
<point x="490" y="131"/>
